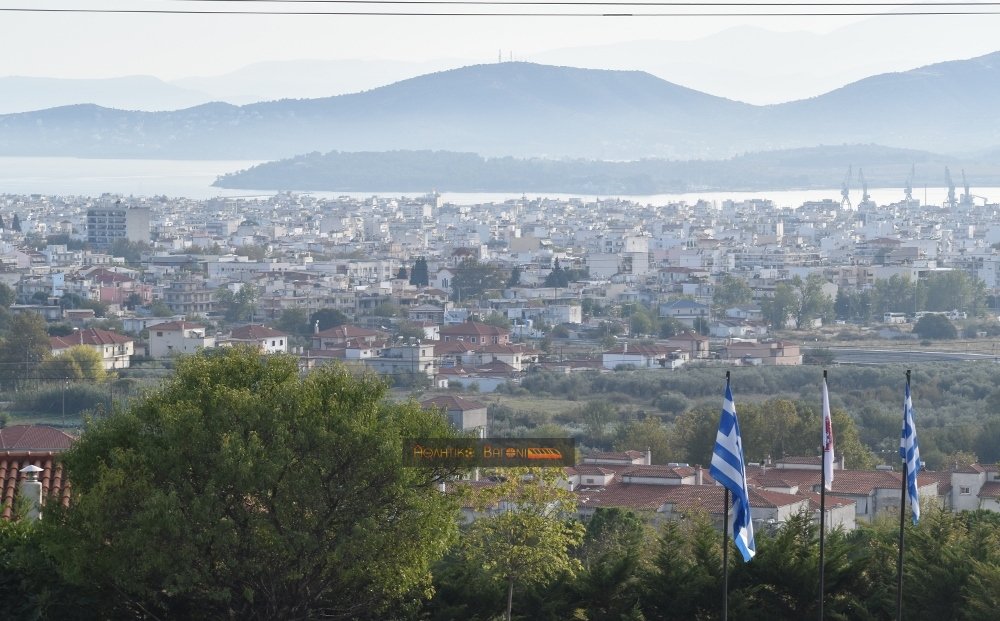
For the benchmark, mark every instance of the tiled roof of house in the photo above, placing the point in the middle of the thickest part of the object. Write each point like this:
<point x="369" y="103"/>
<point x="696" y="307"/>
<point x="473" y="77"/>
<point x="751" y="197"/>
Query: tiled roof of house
<point x="32" y="445"/>
<point x="659" y="472"/>
<point x="54" y="487"/>
<point x="707" y="498"/>
<point x="88" y="336"/>
<point x="34" y="438"/>
<point x="617" y="455"/>
<point x="496" y="367"/>
<point x="473" y="328"/>
<point x="254" y="332"/>
<point x="347" y="332"/>
<point x="626" y="495"/>
<point x="444" y="348"/>
<point x="499" y="348"/>
<point x="176" y="326"/>
<point x="593" y="469"/>
<point x="990" y="489"/>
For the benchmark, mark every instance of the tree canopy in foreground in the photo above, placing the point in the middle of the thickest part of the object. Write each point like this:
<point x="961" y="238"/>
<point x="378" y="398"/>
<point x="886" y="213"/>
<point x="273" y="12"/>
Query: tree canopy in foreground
<point x="243" y="490"/>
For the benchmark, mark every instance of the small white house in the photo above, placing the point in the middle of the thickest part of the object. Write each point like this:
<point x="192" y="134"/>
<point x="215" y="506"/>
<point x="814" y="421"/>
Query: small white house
<point x="178" y="337"/>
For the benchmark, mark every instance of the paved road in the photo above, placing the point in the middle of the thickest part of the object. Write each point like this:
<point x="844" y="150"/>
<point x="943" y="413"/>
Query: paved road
<point x="852" y="355"/>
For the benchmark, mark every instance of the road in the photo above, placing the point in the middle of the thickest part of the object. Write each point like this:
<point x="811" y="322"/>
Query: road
<point x="854" y="355"/>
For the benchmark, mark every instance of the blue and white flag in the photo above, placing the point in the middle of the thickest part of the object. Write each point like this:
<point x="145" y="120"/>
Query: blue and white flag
<point x="729" y="470"/>
<point x="909" y="451"/>
<point x="827" y="441"/>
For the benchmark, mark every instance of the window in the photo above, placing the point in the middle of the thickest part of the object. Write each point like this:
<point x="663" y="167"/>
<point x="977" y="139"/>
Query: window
<point x="159" y="334"/>
<point x="965" y="491"/>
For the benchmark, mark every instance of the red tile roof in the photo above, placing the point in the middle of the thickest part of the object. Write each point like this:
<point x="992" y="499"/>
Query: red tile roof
<point x="54" y="487"/>
<point x="443" y="348"/>
<point x="34" y="438"/>
<point x="176" y="326"/>
<point x="254" y="333"/>
<point x="990" y="489"/>
<point x="88" y="336"/>
<point x="473" y="328"/>
<point x="347" y="332"/>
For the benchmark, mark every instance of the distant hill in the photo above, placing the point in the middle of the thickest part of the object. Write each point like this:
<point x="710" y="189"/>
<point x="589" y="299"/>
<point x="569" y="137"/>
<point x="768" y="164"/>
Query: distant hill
<point x="817" y="167"/>
<point x="528" y="110"/>
<point x="24" y="94"/>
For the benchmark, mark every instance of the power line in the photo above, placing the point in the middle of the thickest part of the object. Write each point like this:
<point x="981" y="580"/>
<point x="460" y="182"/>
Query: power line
<point x="860" y="12"/>
<point x="697" y="4"/>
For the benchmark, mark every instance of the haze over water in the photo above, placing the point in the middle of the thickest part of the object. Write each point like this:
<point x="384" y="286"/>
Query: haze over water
<point x="193" y="179"/>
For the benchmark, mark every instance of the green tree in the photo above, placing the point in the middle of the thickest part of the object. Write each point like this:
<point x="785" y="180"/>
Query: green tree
<point x="557" y="277"/>
<point x="7" y="295"/>
<point x="253" y="492"/>
<point x="596" y="416"/>
<point x="611" y="552"/>
<point x="529" y="541"/>
<point x="294" y="321"/>
<point x="935" y="327"/>
<point x="814" y="304"/>
<point x="78" y="363"/>
<point x="731" y="291"/>
<point x="648" y="433"/>
<point x="683" y="582"/>
<point x="129" y="250"/>
<point x="418" y="274"/>
<point x="783" y="303"/>
<point x="159" y="308"/>
<point x="409" y="330"/>
<point x="239" y="306"/>
<point x="327" y="318"/>
<point x="473" y="279"/>
<point x="402" y="274"/>
<point x="515" y="276"/>
<point x="498" y="320"/>
<point x="25" y="347"/>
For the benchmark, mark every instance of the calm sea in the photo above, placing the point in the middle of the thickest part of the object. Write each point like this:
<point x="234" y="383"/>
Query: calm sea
<point x="193" y="179"/>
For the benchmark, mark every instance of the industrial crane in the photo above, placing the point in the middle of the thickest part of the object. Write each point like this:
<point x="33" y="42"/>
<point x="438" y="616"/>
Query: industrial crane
<point x="951" y="188"/>
<point x="908" y="190"/>
<point x="966" y="200"/>
<point x="866" y="198"/>
<point x="845" y="190"/>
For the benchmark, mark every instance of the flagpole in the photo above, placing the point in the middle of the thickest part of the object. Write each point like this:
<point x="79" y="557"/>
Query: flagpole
<point x="725" y="556"/>
<point x="822" y="512"/>
<point x="725" y="546"/>
<point x="902" y="525"/>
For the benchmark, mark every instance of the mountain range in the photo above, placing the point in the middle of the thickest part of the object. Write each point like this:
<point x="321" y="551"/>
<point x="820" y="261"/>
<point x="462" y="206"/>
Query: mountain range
<point x="530" y="110"/>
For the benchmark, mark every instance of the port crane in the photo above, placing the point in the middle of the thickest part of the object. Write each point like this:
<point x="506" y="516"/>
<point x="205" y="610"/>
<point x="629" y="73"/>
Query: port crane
<point x="866" y="198"/>
<point x="908" y="190"/>
<point x="966" y="200"/>
<point x="951" y="202"/>
<point x="845" y="190"/>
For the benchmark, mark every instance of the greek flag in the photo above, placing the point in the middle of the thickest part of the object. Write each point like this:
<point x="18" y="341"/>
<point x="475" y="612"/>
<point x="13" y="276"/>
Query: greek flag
<point x="827" y="440"/>
<point x="909" y="451"/>
<point x="728" y="469"/>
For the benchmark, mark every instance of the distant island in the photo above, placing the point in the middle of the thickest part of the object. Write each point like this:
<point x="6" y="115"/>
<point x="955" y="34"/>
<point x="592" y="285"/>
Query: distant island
<point x="811" y="168"/>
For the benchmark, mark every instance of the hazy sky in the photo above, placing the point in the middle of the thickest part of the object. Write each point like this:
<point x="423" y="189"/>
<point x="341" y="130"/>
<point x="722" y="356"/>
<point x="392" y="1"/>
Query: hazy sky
<point x="174" y="46"/>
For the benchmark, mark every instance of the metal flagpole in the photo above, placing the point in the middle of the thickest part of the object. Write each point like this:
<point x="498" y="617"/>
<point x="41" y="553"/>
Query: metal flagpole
<point x="822" y="511"/>
<point x="725" y="547"/>
<point x="902" y="525"/>
<point x="725" y="555"/>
